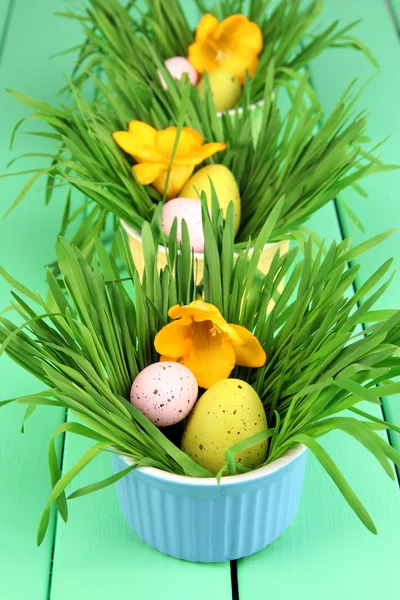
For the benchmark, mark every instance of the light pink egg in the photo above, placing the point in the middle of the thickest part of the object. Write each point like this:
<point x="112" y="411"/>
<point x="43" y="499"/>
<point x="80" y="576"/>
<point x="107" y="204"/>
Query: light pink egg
<point x="165" y="392"/>
<point x="189" y="210"/>
<point x="177" y="66"/>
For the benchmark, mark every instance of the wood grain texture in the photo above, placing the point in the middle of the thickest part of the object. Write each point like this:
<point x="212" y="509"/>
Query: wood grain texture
<point x="98" y="556"/>
<point x="26" y="244"/>
<point x="381" y="210"/>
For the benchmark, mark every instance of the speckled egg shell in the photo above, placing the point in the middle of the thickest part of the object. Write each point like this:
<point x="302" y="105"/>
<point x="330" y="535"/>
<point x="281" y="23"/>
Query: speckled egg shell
<point x="189" y="210"/>
<point x="177" y="66"/>
<point x="164" y="392"/>
<point x="228" y="412"/>
<point x="225" y="89"/>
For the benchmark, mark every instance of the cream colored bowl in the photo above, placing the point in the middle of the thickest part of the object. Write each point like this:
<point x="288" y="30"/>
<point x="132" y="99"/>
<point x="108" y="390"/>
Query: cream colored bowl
<point x="135" y="245"/>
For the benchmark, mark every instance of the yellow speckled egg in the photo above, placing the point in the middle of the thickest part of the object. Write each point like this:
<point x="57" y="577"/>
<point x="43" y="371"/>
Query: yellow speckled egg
<point x="225" y="88"/>
<point x="225" y="186"/>
<point x="228" y="412"/>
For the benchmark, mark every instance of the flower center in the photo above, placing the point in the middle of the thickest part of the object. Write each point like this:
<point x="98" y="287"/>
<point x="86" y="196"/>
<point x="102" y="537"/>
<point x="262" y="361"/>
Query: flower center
<point x="213" y="329"/>
<point x="220" y="56"/>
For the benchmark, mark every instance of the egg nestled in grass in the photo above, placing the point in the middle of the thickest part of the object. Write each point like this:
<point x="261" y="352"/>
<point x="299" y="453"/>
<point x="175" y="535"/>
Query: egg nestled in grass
<point x="165" y="392"/>
<point x="225" y="89"/>
<point x="228" y="412"/>
<point x="177" y="66"/>
<point x="225" y="186"/>
<point x="188" y="210"/>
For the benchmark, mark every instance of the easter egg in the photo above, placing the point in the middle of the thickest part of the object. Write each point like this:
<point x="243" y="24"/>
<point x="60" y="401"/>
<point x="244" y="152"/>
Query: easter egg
<point x="177" y="66"/>
<point x="225" y="89"/>
<point x="165" y="392"/>
<point x="228" y="412"/>
<point x="225" y="186"/>
<point x="189" y="210"/>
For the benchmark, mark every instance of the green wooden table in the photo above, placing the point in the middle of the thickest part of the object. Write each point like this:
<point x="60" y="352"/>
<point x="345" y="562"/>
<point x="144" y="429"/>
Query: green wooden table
<point x="326" y="554"/>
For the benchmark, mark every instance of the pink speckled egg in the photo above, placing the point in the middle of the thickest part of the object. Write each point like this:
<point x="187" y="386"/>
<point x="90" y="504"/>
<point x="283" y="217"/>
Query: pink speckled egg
<point x="189" y="210"/>
<point x="165" y="393"/>
<point x="177" y="66"/>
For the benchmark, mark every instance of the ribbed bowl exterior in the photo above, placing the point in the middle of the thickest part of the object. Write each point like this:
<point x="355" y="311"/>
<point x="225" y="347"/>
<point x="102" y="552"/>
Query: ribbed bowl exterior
<point x="200" y="521"/>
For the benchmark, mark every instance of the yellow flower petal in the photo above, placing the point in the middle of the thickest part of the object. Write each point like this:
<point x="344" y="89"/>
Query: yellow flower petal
<point x="201" y="154"/>
<point x="148" y="172"/>
<point x="135" y="146"/>
<point x="252" y="37"/>
<point x="239" y="30"/>
<point x="208" y="150"/>
<point x="233" y="44"/>
<point x="231" y="26"/>
<point x="203" y="57"/>
<point x="250" y="352"/>
<point x="177" y="179"/>
<point x="145" y="132"/>
<point x="200" y="311"/>
<point x="212" y="357"/>
<point x="189" y="142"/>
<point x="197" y="310"/>
<point x="164" y="358"/>
<point x="240" y="62"/>
<point x="208" y="24"/>
<point x="174" y="340"/>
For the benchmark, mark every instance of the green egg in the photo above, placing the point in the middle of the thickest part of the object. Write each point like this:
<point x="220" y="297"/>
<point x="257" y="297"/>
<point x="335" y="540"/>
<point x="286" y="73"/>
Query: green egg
<point x="228" y="412"/>
<point x="225" y="88"/>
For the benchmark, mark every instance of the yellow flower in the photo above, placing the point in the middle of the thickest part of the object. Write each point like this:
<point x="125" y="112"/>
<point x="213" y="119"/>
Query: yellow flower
<point x="204" y="342"/>
<point x="152" y="150"/>
<point x="234" y="44"/>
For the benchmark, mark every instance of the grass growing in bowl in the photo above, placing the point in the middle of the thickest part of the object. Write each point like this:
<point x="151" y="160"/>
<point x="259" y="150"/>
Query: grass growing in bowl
<point x="125" y="35"/>
<point x="95" y="331"/>
<point x="293" y="155"/>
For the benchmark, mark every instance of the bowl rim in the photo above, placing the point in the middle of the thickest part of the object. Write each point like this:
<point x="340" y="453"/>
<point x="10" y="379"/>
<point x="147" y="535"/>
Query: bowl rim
<point x="273" y="467"/>
<point x="161" y="249"/>
<point x="233" y="111"/>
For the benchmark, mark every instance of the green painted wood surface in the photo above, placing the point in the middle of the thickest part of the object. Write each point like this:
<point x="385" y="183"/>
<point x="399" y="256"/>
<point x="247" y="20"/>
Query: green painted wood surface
<point x="381" y="210"/>
<point x="98" y="556"/>
<point x="5" y="14"/>
<point x="26" y="244"/>
<point x="327" y="553"/>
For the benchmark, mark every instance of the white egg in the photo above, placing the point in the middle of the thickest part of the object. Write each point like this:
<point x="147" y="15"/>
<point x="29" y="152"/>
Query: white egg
<point x="177" y="66"/>
<point x="189" y="210"/>
<point x="165" y="392"/>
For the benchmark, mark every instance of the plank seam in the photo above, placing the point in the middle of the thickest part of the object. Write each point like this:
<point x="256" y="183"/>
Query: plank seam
<point x="234" y="580"/>
<point x="393" y="16"/>
<point x="354" y="286"/>
<point x="54" y="539"/>
<point x="6" y="27"/>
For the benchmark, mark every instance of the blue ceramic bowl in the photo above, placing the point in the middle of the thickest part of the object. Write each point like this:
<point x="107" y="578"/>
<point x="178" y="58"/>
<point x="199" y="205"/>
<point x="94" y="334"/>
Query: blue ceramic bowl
<point x="198" y="520"/>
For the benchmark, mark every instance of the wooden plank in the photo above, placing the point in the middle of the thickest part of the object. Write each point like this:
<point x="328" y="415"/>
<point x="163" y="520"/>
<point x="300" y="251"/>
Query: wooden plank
<point x="326" y="537"/>
<point x="108" y="556"/>
<point x="98" y="556"/>
<point x="26" y="244"/>
<point x="380" y="211"/>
